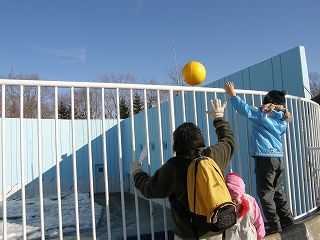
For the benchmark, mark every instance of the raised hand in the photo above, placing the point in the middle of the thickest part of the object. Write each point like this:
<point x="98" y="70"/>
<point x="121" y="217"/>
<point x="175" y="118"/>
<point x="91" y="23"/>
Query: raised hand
<point x="217" y="108"/>
<point x="229" y="86"/>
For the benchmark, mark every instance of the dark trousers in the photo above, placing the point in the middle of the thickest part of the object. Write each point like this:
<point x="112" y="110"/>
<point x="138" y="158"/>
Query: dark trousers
<point x="269" y="179"/>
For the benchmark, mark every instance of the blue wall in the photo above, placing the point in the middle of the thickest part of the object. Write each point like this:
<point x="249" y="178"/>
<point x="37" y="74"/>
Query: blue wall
<point x="288" y="70"/>
<point x="65" y="152"/>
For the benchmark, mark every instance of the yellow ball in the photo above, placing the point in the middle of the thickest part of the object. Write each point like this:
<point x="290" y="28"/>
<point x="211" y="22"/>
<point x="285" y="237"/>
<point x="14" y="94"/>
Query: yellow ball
<point x="194" y="73"/>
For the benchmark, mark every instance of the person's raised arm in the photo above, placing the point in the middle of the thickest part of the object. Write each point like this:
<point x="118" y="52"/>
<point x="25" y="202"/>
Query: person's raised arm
<point x="239" y="105"/>
<point x="222" y="151"/>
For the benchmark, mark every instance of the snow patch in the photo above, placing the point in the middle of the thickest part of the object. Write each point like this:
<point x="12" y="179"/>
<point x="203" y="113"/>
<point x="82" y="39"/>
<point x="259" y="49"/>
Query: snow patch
<point x="51" y="222"/>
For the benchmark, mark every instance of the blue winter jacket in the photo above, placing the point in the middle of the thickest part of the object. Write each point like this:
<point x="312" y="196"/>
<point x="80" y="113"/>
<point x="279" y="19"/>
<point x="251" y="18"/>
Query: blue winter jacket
<point x="265" y="140"/>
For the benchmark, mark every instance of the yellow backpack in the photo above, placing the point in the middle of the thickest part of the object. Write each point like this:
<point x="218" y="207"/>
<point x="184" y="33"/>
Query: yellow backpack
<point x="209" y="199"/>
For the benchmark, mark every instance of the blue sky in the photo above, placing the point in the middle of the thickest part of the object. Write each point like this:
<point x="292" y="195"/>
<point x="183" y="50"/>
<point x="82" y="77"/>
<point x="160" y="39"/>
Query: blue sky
<point x="80" y="40"/>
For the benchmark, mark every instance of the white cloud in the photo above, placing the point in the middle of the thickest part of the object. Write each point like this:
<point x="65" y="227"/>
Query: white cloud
<point x="78" y="54"/>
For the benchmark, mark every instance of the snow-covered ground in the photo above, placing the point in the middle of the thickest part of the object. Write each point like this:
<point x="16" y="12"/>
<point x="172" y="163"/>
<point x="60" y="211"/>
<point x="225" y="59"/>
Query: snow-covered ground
<point x="51" y="223"/>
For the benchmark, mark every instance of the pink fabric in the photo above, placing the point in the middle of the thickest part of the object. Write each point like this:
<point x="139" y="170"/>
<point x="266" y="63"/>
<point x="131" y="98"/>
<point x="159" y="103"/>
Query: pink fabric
<point x="236" y="188"/>
<point x="235" y="185"/>
<point x="258" y="221"/>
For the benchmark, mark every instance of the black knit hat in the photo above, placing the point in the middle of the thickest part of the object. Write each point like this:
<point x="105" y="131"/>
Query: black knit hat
<point x="275" y="97"/>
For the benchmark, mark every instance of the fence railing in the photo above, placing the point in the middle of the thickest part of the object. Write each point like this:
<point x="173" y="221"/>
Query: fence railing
<point x="49" y="163"/>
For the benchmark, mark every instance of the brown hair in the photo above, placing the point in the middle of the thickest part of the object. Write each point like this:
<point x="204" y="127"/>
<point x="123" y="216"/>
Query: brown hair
<point x="269" y="107"/>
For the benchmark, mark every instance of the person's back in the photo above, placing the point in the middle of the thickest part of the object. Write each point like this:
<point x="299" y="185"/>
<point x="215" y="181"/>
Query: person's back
<point x="171" y="179"/>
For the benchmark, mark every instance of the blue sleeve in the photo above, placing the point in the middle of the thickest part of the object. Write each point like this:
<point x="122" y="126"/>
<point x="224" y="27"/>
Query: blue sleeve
<point x="283" y="127"/>
<point x="244" y="109"/>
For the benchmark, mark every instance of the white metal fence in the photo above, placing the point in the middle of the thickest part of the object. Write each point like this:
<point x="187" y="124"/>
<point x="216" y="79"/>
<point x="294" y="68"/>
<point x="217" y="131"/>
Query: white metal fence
<point x="151" y="128"/>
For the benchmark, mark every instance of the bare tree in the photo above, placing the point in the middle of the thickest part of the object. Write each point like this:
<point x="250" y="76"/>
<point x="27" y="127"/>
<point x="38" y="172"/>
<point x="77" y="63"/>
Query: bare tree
<point x="314" y="80"/>
<point x="80" y="103"/>
<point x="152" y="96"/>
<point x="175" y="76"/>
<point x="30" y="98"/>
<point x="110" y="94"/>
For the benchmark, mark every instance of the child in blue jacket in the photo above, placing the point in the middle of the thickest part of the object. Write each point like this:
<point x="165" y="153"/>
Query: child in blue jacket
<point x="269" y="123"/>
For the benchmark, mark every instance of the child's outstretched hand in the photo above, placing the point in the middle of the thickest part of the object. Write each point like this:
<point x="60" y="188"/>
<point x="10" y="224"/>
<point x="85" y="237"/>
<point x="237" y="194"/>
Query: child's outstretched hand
<point x="230" y="88"/>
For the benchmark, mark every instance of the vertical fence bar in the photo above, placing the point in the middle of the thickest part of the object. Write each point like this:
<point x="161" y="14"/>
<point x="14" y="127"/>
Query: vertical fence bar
<point x="316" y="154"/>
<point x="148" y="157"/>
<point x="302" y="156"/>
<point x="227" y="119"/>
<point x="207" y="117"/>
<point x="296" y="157"/>
<point x="238" y="143"/>
<point x="105" y="162"/>
<point x="57" y="145"/>
<point x="252" y="103"/>
<point x="74" y="165"/>
<point x="93" y="218"/>
<point x="171" y="105"/>
<point x="195" y="108"/>
<point x="162" y="162"/>
<point x="133" y="140"/>
<point x="286" y="162"/>
<point x="226" y="112"/>
<point x="248" y="149"/>
<point x="310" y="137"/>
<point x="183" y="107"/>
<point x="311" y="153"/>
<point x="4" y="182"/>
<point x="23" y="193"/>
<point x="123" y="209"/>
<point x="305" y="151"/>
<point x="39" y="126"/>
<point x="290" y="168"/>
<point x="307" y="160"/>
<point x="317" y="119"/>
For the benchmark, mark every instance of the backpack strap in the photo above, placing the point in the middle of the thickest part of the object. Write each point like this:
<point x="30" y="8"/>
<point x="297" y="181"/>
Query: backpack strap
<point x="195" y="153"/>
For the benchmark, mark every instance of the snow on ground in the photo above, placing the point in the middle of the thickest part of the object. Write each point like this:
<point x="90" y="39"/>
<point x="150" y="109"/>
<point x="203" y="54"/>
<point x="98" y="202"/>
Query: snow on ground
<point x="51" y="222"/>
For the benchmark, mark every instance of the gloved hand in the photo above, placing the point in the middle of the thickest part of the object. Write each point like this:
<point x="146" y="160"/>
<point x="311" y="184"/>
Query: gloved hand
<point x="135" y="167"/>
<point x="217" y="109"/>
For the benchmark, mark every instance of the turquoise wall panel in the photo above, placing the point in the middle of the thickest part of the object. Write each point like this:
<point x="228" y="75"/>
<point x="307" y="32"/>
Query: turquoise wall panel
<point x="48" y="158"/>
<point x="284" y="71"/>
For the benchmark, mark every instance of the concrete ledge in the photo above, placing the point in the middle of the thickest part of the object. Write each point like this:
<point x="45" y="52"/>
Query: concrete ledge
<point x="306" y="229"/>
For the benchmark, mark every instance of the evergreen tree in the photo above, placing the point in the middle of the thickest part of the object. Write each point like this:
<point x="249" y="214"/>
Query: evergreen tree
<point x="64" y="110"/>
<point x="137" y="103"/>
<point x="124" y="109"/>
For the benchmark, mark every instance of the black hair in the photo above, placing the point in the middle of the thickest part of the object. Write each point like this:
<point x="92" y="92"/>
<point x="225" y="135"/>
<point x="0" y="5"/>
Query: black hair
<point x="275" y="97"/>
<point x="187" y="137"/>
